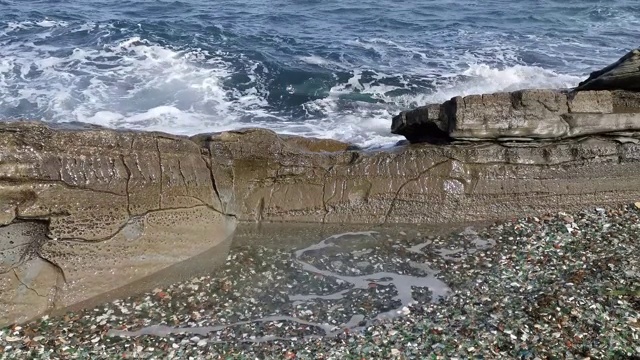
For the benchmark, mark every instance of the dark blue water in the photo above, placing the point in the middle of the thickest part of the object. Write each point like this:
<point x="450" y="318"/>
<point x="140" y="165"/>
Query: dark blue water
<point x="328" y="68"/>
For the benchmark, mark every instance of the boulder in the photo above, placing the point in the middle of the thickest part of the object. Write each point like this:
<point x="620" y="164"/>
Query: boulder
<point x="88" y="211"/>
<point x="624" y="74"/>
<point x="422" y="124"/>
<point x="522" y="115"/>
<point x="525" y="113"/>
<point x="534" y="114"/>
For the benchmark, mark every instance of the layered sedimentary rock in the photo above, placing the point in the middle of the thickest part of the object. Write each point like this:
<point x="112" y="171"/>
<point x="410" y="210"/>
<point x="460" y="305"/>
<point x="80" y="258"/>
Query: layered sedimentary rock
<point x="522" y="115"/>
<point x="86" y="212"/>
<point x="265" y="178"/>
<point x="606" y="103"/>
<point x="624" y="74"/>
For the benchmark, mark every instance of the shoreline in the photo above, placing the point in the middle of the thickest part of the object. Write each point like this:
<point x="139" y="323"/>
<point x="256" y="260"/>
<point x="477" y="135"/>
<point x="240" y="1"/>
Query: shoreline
<point x="87" y="211"/>
<point x="537" y="292"/>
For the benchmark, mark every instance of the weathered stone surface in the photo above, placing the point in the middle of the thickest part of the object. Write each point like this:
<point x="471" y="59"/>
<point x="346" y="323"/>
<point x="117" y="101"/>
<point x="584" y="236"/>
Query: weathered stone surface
<point x="316" y="145"/>
<point x="590" y="124"/>
<point x="89" y="211"/>
<point x="600" y="102"/>
<point x="423" y="183"/>
<point x="29" y="283"/>
<point x="533" y="114"/>
<point x="523" y="115"/>
<point x="144" y="246"/>
<point x="624" y="74"/>
<point x="257" y="170"/>
<point x="625" y="102"/>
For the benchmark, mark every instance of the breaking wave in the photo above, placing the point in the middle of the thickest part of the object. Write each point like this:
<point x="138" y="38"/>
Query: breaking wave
<point x="150" y="76"/>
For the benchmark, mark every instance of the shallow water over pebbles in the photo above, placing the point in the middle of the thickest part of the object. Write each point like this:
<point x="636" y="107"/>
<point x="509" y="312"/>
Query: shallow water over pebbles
<point x="556" y="286"/>
<point x="341" y="273"/>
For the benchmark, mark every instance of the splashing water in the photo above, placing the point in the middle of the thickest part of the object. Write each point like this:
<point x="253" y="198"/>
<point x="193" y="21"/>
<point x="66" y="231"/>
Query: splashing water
<point x="313" y="70"/>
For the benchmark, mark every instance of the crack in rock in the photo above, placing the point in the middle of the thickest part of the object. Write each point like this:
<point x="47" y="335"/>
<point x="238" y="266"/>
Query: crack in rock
<point x="25" y="284"/>
<point x="421" y="174"/>
<point x="126" y="167"/>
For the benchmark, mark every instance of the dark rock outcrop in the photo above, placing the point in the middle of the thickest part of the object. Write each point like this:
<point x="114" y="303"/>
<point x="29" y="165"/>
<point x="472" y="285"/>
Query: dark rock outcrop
<point x="624" y="74"/>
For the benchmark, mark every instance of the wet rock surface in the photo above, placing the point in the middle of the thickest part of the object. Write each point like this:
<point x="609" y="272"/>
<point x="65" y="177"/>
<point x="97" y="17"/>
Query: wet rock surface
<point x="87" y="211"/>
<point x="558" y="285"/>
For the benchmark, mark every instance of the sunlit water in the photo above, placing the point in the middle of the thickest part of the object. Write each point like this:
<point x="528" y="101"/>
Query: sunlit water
<point x="326" y="68"/>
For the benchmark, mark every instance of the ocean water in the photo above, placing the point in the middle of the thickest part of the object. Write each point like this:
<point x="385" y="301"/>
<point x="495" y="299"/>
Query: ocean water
<point x="332" y="68"/>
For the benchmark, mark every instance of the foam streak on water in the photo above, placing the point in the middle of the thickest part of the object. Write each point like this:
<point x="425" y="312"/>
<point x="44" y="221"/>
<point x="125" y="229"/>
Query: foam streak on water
<point x="404" y="285"/>
<point x="315" y="69"/>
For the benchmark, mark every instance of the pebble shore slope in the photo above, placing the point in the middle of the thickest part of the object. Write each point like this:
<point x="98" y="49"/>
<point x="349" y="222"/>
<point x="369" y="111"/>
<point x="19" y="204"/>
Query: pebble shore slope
<point x="556" y="286"/>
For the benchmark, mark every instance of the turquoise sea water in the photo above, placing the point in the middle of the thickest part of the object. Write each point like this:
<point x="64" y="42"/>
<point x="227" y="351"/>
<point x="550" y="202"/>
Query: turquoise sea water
<point x="330" y="68"/>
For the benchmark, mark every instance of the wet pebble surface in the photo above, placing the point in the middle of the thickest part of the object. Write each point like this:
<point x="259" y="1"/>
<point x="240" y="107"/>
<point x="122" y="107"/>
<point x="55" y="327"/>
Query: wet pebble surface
<point x="558" y="286"/>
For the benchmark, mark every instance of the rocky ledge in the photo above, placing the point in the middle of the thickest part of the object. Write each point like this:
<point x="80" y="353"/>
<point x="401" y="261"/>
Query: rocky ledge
<point x="607" y="103"/>
<point x="86" y="211"/>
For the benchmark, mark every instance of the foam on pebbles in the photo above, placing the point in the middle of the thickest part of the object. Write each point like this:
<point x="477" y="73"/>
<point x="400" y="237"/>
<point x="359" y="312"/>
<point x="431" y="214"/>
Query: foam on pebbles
<point x="555" y="286"/>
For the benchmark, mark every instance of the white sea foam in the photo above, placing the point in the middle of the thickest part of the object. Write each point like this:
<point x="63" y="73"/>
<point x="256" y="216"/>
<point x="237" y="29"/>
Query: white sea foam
<point x="139" y="84"/>
<point x="22" y="25"/>
<point x="480" y="78"/>
<point x="132" y="84"/>
<point x="314" y="60"/>
<point x="51" y="23"/>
